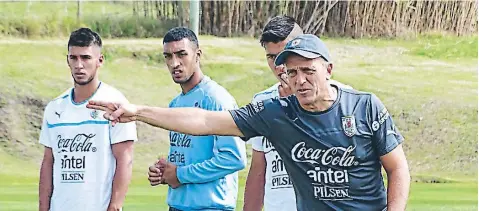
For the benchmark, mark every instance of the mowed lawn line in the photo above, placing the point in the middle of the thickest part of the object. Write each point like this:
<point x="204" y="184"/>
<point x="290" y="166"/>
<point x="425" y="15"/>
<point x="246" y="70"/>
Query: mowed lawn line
<point x="23" y="196"/>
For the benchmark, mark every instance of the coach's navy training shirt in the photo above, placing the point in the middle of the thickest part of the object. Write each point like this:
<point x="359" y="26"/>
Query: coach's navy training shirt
<point x="332" y="156"/>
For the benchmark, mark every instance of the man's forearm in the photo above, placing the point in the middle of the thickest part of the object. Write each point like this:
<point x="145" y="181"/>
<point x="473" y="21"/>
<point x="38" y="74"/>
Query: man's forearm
<point x="121" y="180"/>
<point x="177" y="119"/>
<point x="254" y="192"/>
<point x="398" y="189"/>
<point x="193" y="121"/>
<point x="45" y="186"/>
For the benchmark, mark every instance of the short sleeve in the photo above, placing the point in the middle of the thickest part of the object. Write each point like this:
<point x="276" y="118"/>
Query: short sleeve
<point x="45" y="138"/>
<point x="257" y="143"/>
<point x="386" y="136"/>
<point x="253" y="119"/>
<point x="123" y="131"/>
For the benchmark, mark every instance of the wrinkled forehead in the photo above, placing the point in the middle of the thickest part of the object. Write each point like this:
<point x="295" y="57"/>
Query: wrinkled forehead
<point x="91" y="50"/>
<point x="295" y="61"/>
<point x="180" y="45"/>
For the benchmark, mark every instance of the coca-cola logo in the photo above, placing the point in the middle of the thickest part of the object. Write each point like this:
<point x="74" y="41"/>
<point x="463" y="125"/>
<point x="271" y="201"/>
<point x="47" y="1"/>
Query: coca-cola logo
<point x="79" y="143"/>
<point x="334" y="156"/>
<point x="180" y="140"/>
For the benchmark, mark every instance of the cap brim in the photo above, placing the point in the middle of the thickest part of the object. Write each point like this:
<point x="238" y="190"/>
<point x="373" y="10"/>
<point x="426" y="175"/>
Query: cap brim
<point x="281" y="58"/>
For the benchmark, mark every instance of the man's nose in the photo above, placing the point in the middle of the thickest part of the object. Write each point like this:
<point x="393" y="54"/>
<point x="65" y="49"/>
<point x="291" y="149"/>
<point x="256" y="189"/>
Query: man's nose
<point x="175" y="62"/>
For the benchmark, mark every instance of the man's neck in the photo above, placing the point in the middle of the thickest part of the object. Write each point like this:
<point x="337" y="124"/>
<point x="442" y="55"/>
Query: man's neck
<point x="325" y="100"/>
<point x="83" y="92"/>
<point x="194" y="80"/>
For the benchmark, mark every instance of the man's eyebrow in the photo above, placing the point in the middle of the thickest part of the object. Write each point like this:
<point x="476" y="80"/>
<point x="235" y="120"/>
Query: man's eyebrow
<point x="301" y="68"/>
<point x="180" y="51"/>
<point x="177" y="52"/>
<point x="80" y="55"/>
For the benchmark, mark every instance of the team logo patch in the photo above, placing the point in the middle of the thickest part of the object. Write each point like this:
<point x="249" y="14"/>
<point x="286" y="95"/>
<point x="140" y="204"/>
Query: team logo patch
<point x="349" y="125"/>
<point x="94" y="114"/>
<point x="295" y="42"/>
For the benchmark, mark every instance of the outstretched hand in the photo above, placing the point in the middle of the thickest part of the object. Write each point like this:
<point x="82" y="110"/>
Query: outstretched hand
<point x="115" y="112"/>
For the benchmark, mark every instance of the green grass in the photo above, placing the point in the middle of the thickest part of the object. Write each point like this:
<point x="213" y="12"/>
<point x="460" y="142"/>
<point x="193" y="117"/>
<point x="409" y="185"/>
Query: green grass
<point x="436" y="46"/>
<point x="21" y="194"/>
<point x="432" y="97"/>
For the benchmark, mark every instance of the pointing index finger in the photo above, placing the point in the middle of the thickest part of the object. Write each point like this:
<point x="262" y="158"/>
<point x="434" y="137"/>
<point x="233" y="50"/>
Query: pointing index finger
<point x="107" y="105"/>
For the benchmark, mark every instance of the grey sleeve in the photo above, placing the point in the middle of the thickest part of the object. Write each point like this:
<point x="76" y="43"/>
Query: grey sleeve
<point x="386" y="136"/>
<point x="252" y="119"/>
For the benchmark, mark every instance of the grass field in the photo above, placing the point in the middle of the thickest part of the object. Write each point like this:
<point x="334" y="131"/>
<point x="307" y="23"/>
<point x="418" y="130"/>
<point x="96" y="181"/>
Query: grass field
<point x="428" y="84"/>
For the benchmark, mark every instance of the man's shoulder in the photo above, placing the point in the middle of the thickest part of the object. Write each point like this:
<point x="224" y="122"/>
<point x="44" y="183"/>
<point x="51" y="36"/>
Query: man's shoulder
<point x="66" y="95"/>
<point x="355" y="94"/>
<point x="215" y="93"/>
<point x="110" y="92"/>
<point x="273" y="105"/>
<point x="271" y="92"/>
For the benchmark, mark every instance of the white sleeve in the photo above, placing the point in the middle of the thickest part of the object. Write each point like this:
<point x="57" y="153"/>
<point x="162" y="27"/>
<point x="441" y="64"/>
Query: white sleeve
<point x="257" y="143"/>
<point x="123" y="131"/>
<point x="44" y="134"/>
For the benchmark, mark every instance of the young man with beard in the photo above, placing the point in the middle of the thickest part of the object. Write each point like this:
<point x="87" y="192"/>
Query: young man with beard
<point x="202" y="171"/>
<point x="333" y="141"/>
<point x="87" y="163"/>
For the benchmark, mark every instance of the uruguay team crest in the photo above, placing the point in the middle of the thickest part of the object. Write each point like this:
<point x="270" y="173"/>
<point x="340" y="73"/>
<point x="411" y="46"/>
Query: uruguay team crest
<point x="94" y="114"/>
<point x="349" y="125"/>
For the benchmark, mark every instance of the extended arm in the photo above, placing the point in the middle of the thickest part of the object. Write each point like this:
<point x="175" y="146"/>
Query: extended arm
<point x="194" y="121"/>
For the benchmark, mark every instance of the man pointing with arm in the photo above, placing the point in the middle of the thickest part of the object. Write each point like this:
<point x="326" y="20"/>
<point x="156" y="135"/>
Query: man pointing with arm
<point x="333" y="141"/>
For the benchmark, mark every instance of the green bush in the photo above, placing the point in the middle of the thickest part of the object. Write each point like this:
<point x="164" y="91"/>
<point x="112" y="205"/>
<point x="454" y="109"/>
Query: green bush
<point x="106" y="26"/>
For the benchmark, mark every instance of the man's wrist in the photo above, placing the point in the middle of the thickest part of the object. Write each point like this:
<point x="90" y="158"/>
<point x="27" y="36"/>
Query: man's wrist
<point x="140" y="111"/>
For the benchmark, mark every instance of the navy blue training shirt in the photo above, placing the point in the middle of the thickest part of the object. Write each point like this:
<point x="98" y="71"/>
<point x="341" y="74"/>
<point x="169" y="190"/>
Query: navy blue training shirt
<point x="333" y="156"/>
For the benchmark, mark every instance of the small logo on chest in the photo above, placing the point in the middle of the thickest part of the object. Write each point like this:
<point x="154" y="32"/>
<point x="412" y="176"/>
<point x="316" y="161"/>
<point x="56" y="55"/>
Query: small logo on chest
<point x="94" y="114"/>
<point x="349" y="125"/>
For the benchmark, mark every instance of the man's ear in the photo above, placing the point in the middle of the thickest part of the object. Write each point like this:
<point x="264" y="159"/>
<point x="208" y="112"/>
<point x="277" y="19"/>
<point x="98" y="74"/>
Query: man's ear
<point x="101" y="59"/>
<point x="198" y="54"/>
<point x="329" y="68"/>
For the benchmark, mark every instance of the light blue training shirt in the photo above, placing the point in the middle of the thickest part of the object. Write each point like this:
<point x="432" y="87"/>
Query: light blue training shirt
<point x="207" y="165"/>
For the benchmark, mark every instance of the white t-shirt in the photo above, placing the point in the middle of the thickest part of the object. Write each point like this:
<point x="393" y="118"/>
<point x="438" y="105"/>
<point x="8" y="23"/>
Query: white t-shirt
<point x="81" y="139"/>
<point x="278" y="191"/>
